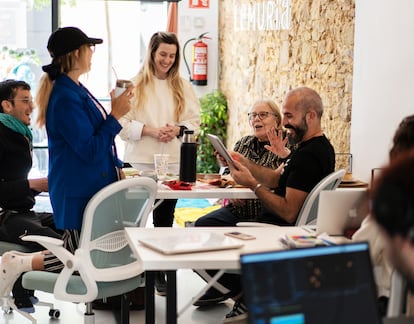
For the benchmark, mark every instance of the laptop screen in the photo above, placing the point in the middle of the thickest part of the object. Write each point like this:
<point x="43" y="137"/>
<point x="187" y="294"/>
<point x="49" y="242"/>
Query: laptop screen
<point x="321" y="285"/>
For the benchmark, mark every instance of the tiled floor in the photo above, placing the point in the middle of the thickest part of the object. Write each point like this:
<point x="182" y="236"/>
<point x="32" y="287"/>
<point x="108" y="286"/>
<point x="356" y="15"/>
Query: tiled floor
<point x="188" y="285"/>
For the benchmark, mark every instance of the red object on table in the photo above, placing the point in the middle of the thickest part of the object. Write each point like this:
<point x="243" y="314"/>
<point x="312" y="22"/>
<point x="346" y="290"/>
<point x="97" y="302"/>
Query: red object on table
<point x="178" y="185"/>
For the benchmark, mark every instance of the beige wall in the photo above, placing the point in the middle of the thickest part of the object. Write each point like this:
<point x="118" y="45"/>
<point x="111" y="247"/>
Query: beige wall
<point x="315" y="51"/>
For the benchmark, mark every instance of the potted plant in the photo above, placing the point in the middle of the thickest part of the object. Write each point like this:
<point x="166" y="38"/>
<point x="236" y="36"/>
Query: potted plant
<point x="214" y="118"/>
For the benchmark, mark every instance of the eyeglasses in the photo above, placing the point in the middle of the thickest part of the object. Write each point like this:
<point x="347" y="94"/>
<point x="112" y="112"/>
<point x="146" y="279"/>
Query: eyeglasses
<point x="26" y="101"/>
<point x="262" y="115"/>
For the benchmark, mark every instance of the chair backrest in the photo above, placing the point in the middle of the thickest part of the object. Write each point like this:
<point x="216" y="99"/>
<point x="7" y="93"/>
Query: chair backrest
<point x="398" y="295"/>
<point x="308" y="212"/>
<point x="104" y="253"/>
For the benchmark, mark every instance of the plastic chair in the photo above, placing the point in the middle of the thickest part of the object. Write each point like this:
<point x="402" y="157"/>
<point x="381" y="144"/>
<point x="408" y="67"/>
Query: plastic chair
<point x="398" y="295"/>
<point x="309" y="211"/>
<point x="104" y="264"/>
<point x="8" y="305"/>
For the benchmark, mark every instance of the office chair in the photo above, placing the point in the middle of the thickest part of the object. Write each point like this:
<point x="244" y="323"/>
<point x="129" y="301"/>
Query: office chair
<point x="398" y="295"/>
<point x="8" y="305"/>
<point x="103" y="265"/>
<point x="309" y="211"/>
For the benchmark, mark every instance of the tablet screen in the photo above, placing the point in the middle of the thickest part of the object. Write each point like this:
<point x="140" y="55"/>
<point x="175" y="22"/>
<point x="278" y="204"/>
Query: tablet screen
<point x="221" y="149"/>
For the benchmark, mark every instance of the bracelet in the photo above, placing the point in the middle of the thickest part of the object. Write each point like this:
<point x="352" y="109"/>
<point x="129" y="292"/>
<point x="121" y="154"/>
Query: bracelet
<point x="257" y="187"/>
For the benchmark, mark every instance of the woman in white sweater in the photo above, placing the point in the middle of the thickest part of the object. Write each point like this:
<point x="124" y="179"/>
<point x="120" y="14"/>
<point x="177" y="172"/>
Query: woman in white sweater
<point x="163" y="106"/>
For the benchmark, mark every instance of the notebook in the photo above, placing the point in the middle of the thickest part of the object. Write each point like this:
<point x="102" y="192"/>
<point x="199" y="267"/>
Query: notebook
<point x="340" y="211"/>
<point x="190" y="242"/>
<point x="318" y="285"/>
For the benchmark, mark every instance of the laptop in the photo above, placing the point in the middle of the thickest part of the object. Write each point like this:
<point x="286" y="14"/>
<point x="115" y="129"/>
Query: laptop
<point x="190" y="242"/>
<point x="318" y="285"/>
<point x="341" y="212"/>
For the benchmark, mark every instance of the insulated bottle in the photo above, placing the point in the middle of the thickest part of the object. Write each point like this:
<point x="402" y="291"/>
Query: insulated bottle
<point x="188" y="157"/>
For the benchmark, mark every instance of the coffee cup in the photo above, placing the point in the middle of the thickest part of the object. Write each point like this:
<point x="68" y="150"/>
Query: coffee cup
<point x="121" y="86"/>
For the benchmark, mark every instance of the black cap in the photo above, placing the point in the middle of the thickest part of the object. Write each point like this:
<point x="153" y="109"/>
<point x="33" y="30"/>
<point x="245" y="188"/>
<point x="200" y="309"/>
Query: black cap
<point x="67" y="39"/>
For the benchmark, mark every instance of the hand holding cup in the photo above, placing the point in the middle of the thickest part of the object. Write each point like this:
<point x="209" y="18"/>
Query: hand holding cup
<point x="120" y="98"/>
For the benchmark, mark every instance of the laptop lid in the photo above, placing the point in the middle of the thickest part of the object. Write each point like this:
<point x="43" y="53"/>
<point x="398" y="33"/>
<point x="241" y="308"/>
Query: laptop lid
<point x="321" y="285"/>
<point x="341" y="211"/>
<point x="188" y="242"/>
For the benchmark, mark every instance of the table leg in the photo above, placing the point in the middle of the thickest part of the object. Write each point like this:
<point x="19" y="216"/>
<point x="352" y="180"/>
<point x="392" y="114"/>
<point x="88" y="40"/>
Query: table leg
<point x="171" y="297"/>
<point x="149" y="297"/>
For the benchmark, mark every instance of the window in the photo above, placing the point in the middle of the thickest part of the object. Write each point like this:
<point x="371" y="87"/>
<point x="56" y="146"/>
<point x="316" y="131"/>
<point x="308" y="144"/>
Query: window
<point x="125" y="27"/>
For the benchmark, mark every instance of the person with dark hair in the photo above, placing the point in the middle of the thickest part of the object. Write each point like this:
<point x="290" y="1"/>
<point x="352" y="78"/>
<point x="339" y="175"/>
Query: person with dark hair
<point x="81" y="137"/>
<point x="17" y="192"/>
<point x="393" y="209"/>
<point x="163" y="106"/>
<point x="403" y="140"/>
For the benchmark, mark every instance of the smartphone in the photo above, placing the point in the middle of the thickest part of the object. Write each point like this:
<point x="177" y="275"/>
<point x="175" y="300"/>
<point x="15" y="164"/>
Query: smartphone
<point x="240" y="236"/>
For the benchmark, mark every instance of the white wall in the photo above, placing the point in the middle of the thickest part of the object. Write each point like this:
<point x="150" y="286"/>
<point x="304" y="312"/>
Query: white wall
<point x="193" y="22"/>
<point x="383" y="85"/>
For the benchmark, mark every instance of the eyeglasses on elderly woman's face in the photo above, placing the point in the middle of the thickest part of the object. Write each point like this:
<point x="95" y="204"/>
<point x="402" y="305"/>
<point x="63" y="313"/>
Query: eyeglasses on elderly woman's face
<point x="261" y="115"/>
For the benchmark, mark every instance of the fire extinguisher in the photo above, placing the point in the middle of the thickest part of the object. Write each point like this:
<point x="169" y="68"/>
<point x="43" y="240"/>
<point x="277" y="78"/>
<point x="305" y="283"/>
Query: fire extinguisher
<point x="199" y="61"/>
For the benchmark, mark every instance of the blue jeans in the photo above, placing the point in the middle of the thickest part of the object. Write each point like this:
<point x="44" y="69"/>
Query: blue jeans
<point x="220" y="217"/>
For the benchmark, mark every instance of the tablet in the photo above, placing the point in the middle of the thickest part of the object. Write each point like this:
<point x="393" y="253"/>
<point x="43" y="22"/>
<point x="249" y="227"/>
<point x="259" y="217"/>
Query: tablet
<point x="221" y="149"/>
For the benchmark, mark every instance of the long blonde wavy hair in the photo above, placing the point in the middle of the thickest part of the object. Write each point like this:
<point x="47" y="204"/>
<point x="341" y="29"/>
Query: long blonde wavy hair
<point x="64" y="64"/>
<point x="147" y="73"/>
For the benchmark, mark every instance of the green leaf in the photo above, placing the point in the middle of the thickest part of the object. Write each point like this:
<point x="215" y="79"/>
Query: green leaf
<point x="213" y="116"/>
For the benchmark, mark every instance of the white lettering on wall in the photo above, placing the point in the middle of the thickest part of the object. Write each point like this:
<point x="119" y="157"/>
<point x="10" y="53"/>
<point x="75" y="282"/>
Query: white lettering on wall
<point x="262" y="15"/>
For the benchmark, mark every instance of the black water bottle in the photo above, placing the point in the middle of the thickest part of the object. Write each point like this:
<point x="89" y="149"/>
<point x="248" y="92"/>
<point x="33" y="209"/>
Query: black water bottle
<point x="188" y="157"/>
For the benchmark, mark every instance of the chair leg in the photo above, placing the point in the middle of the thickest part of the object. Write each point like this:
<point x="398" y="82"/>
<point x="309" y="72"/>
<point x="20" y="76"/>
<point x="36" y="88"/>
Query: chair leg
<point x="89" y="316"/>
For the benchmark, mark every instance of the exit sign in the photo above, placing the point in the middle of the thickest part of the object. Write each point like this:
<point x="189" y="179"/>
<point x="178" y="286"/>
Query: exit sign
<point x="199" y="3"/>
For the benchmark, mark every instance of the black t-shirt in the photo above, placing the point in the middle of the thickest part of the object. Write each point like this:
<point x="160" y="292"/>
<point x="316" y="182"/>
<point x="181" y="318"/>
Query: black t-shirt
<point x="310" y="163"/>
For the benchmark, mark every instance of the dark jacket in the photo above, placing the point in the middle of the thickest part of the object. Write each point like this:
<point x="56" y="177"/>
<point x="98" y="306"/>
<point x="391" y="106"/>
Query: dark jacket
<point x="15" y="165"/>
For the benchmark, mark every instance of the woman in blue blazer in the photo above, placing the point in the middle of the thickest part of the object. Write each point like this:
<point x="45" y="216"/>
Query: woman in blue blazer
<point x="82" y="153"/>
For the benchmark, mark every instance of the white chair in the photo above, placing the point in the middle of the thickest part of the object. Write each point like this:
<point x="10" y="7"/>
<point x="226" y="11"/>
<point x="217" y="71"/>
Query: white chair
<point x="309" y="211"/>
<point x="8" y="305"/>
<point x="103" y="265"/>
<point x="398" y="295"/>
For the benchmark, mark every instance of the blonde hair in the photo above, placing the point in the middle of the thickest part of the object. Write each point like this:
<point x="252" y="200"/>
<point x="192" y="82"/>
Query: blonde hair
<point x="61" y="65"/>
<point x="147" y="73"/>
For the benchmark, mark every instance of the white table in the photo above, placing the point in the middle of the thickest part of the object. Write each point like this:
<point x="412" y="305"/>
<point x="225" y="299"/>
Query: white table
<point x="267" y="239"/>
<point x="203" y="190"/>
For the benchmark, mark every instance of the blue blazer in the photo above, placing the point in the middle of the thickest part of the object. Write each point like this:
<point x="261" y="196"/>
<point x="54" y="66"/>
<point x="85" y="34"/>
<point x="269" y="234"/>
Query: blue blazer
<point x="82" y="155"/>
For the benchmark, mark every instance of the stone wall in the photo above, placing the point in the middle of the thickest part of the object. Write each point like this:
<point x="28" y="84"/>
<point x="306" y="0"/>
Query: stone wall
<point x="298" y="43"/>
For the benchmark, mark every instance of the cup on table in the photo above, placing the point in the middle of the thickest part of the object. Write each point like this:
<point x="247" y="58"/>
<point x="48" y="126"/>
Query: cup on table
<point x="121" y="86"/>
<point x="161" y="165"/>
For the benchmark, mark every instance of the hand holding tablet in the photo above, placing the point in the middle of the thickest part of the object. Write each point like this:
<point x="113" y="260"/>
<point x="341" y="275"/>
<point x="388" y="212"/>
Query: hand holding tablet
<point x="221" y="149"/>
